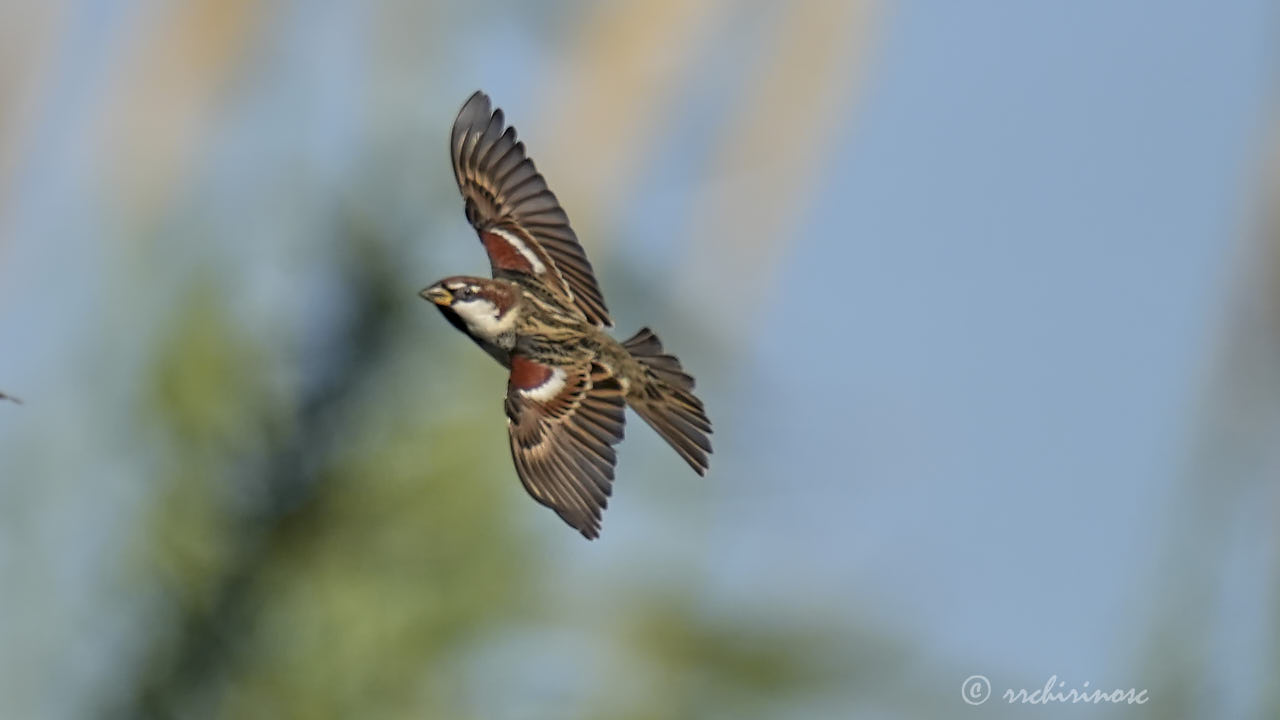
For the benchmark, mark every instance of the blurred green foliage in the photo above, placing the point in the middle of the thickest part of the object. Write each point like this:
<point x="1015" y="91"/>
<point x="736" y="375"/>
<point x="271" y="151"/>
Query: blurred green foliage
<point x="337" y="545"/>
<point x="317" y="554"/>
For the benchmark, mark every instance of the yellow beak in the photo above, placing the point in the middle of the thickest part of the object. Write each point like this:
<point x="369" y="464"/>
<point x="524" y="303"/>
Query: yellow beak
<point x="438" y="295"/>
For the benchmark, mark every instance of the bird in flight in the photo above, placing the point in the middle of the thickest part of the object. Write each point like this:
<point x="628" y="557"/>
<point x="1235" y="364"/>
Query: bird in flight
<point x="542" y="316"/>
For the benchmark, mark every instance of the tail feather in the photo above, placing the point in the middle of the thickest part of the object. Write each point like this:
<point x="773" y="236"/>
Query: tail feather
<point x="668" y="403"/>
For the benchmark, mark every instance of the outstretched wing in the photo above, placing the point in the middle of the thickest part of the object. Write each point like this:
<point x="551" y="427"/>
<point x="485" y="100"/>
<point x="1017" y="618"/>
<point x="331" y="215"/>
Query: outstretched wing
<point x="564" y="422"/>
<point x="519" y="220"/>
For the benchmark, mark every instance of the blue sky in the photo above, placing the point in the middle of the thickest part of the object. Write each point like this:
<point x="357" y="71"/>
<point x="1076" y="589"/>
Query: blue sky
<point x="1022" y="257"/>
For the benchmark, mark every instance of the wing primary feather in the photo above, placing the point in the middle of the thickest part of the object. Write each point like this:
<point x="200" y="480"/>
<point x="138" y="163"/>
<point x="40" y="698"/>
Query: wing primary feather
<point x="501" y="185"/>
<point x="563" y="446"/>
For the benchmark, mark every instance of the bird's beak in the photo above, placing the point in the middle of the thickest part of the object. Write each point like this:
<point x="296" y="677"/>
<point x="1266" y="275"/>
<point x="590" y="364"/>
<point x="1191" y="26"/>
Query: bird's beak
<point x="437" y="295"/>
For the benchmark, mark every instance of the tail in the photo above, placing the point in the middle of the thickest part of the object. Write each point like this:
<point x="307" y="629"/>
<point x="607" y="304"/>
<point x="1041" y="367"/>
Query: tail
<point x="667" y="401"/>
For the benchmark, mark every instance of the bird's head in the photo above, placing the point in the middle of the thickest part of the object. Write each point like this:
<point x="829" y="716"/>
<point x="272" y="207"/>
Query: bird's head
<point x="482" y="308"/>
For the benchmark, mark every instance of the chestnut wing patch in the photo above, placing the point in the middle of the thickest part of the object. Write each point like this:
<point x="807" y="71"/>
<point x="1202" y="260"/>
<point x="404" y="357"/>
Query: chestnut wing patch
<point x="510" y="248"/>
<point x="563" y="423"/>
<point x="519" y="220"/>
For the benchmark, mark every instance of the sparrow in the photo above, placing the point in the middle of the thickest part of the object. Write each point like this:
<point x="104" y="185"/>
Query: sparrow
<point x="542" y="317"/>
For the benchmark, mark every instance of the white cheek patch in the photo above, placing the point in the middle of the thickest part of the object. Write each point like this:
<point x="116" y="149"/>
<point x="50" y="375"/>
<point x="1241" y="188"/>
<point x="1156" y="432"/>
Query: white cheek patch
<point x="549" y="389"/>
<point x="482" y="317"/>
<point x="523" y="249"/>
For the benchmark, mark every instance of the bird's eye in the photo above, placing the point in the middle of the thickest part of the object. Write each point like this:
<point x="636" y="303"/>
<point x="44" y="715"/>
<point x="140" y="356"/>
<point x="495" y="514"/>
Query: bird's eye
<point x="462" y="293"/>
